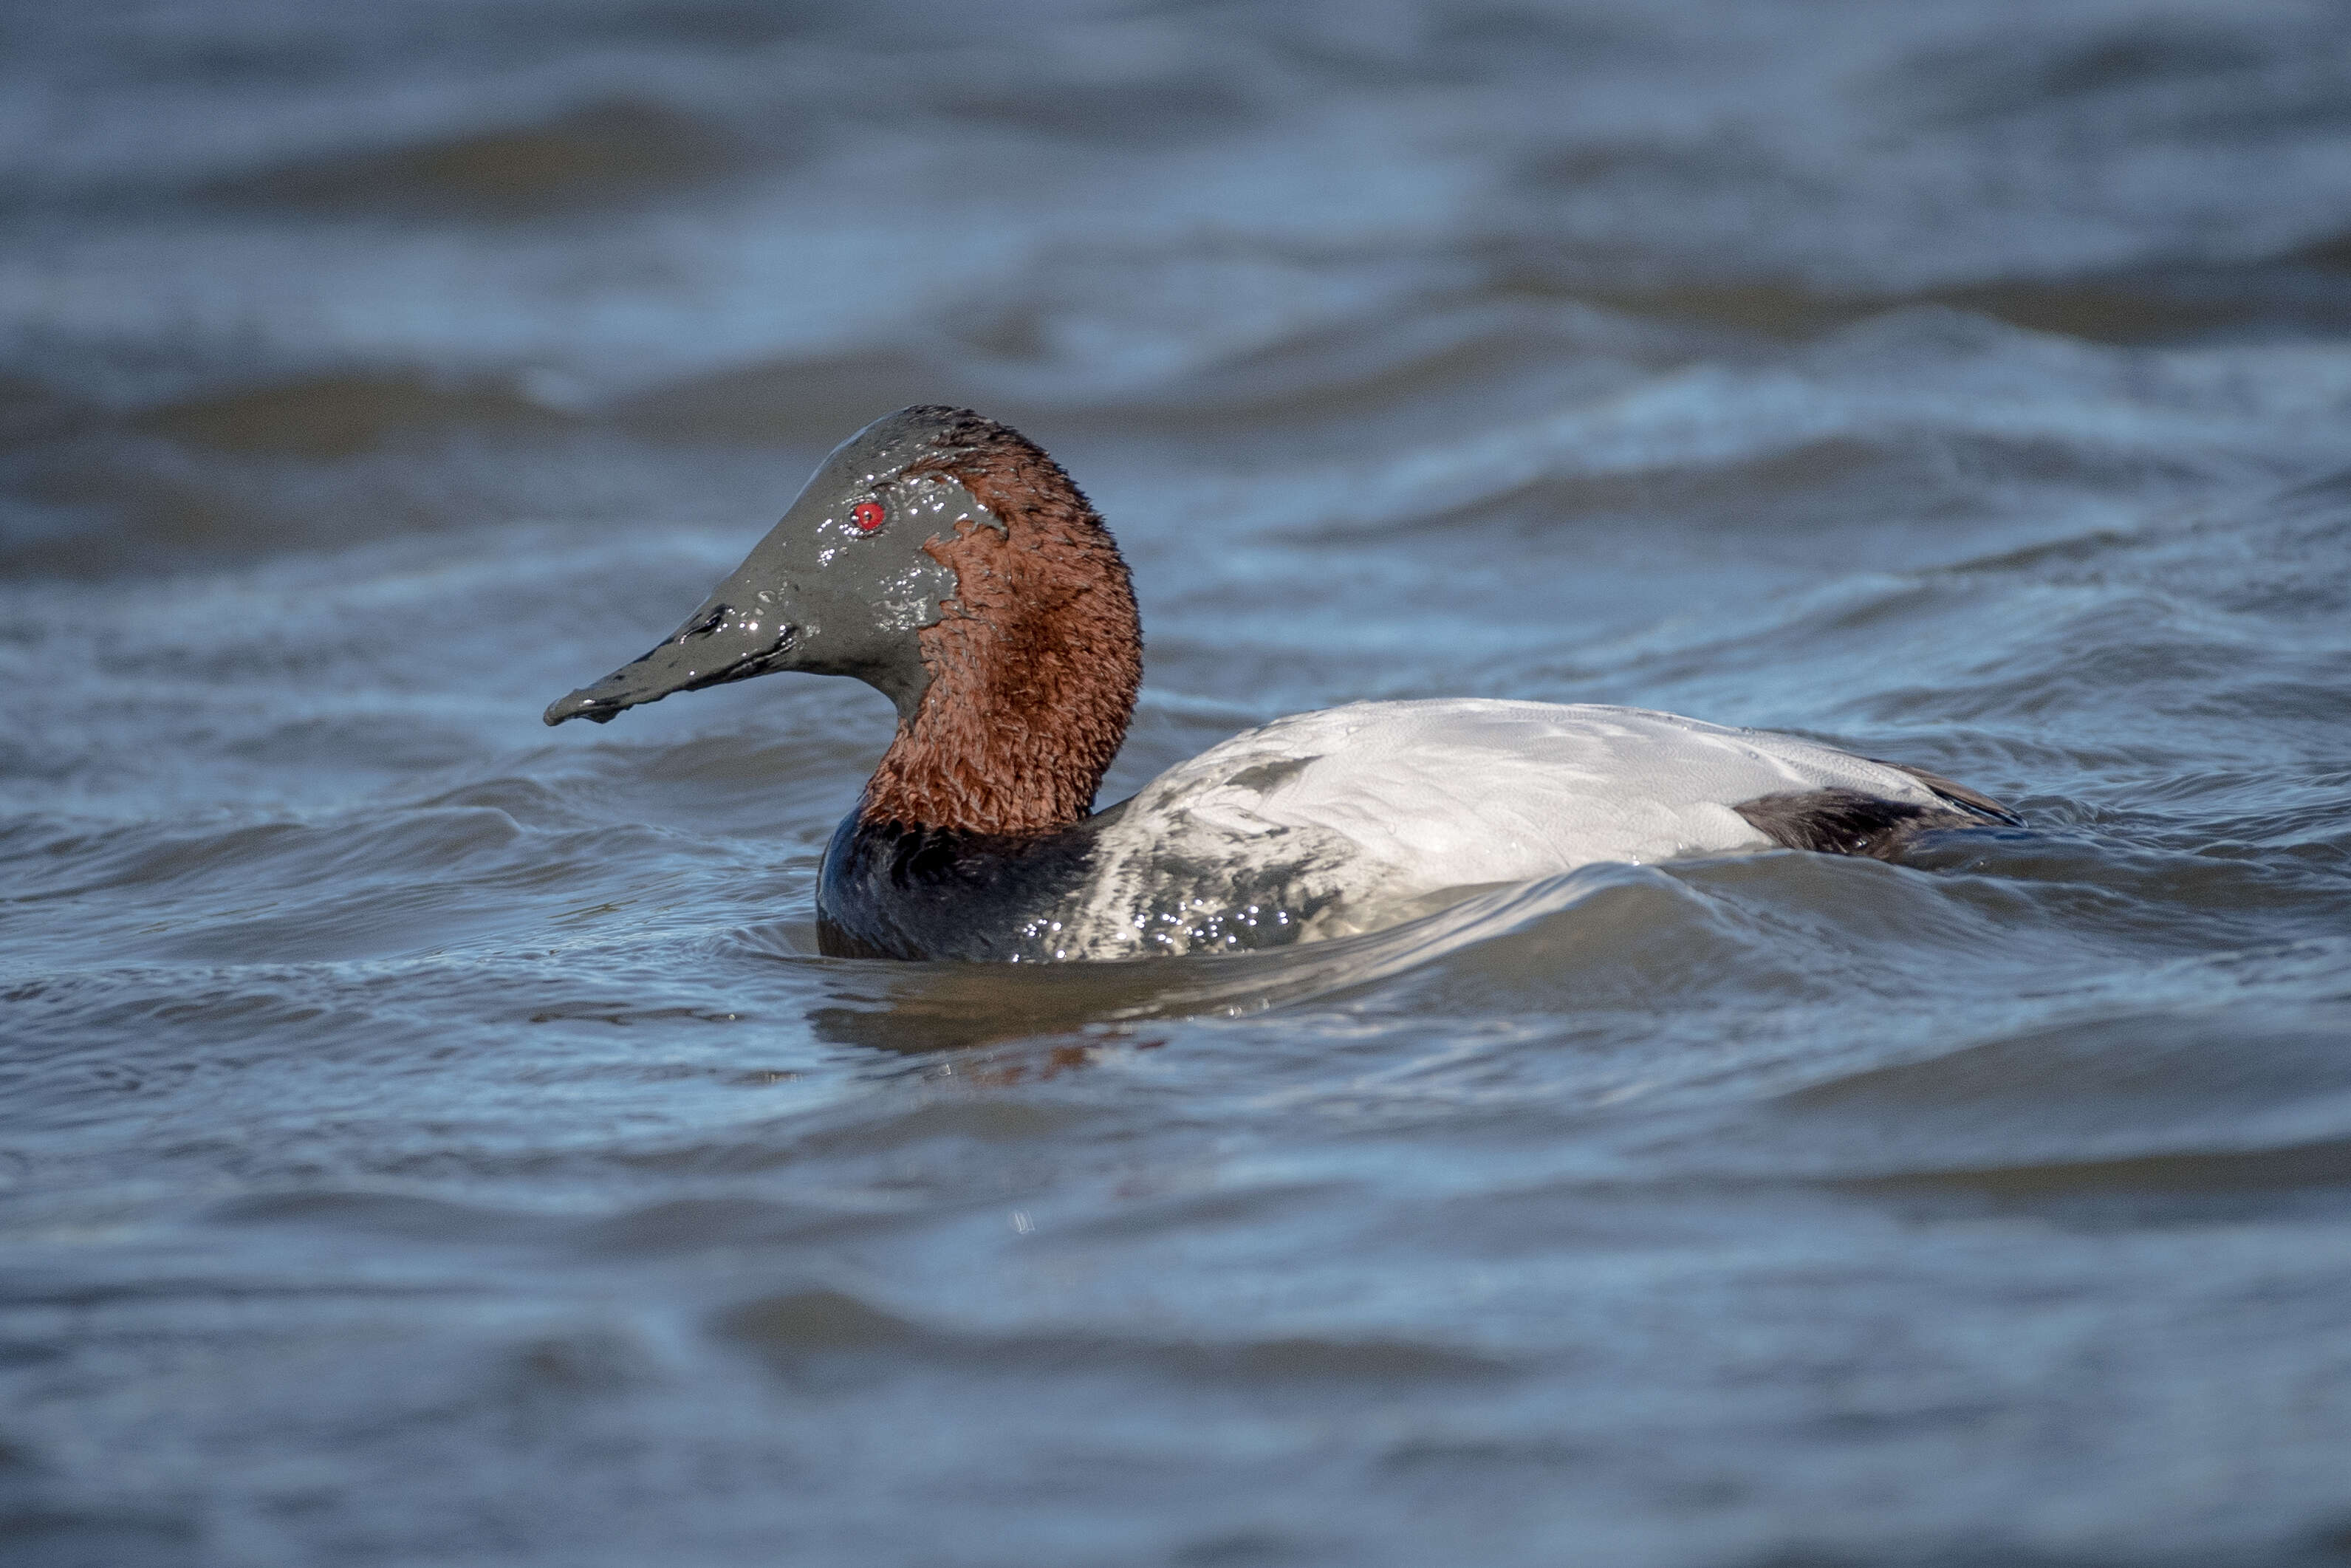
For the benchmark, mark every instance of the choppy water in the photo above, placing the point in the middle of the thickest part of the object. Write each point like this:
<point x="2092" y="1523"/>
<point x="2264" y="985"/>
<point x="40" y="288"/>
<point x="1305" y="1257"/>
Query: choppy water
<point x="426" y="1138"/>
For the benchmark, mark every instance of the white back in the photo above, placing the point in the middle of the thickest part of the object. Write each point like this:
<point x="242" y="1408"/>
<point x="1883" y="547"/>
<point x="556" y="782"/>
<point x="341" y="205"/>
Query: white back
<point x="1379" y="803"/>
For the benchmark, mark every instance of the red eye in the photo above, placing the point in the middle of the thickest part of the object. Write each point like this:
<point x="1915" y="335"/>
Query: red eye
<point x="867" y="516"/>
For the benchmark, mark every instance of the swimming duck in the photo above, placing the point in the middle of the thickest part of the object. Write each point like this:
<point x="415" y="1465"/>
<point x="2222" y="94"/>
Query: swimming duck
<point x="946" y="560"/>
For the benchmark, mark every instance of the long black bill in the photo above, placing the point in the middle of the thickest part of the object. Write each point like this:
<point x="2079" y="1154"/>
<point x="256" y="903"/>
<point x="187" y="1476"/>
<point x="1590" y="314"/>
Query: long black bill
<point x="719" y="644"/>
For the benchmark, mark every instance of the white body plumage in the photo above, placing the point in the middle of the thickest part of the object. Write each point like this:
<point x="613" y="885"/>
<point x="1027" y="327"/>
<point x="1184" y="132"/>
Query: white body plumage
<point x="1344" y="816"/>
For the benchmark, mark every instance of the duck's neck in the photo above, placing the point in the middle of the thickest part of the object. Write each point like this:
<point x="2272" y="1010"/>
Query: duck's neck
<point x="1033" y="665"/>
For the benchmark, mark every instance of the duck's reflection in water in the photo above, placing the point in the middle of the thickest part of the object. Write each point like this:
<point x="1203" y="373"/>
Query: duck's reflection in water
<point x="919" y="1008"/>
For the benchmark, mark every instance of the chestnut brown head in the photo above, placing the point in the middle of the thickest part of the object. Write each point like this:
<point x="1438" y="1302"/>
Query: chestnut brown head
<point x="946" y="560"/>
<point x="840" y="586"/>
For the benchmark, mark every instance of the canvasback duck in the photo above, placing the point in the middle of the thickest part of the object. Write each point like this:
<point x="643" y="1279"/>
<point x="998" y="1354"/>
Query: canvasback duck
<point x="944" y="559"/>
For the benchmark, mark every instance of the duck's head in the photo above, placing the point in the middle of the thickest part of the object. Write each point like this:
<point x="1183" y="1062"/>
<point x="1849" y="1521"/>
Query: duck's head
<point x="946" y="560"/>
<point x="841" y="586"/>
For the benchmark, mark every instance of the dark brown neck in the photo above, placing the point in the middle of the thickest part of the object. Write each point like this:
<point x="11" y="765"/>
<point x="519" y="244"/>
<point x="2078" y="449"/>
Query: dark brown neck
<point x="1033" y="665"/>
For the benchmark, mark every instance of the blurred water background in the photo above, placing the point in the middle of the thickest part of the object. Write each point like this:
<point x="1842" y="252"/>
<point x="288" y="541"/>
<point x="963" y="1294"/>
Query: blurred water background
<point x="429" y="1139"/>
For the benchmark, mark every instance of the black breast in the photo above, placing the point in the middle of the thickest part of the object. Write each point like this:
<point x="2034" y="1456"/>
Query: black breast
<point x="891" y="892"/>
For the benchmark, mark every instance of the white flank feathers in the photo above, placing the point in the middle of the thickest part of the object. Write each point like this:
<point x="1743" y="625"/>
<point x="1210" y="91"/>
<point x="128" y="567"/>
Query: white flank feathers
<point x="1362" y="809"/>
